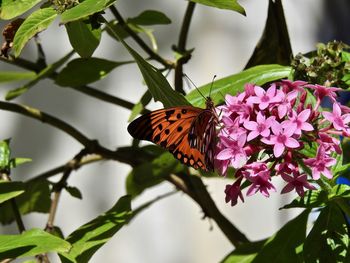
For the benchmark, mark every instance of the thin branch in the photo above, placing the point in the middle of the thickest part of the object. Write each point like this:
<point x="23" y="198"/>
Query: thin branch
<point x="15" y="209"/>
<point x="181" y="47"/>
<point x="138" y="40"/>
<point x="58" y="187"/>
<point x="46" y="118"/>
<point x="83" y="89"/>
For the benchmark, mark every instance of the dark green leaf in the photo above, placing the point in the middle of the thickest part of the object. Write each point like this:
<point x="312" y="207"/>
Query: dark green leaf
<point x="5" y="153"/>
<point x="85" y="9"/>
<point x="33" y="24"/>
<point x="9" y="190"/>
<point x="113" y="28"/>
<point x="74" y="191"/>
<point x="83" y="38"/>
<point x="325" y="242"/>
<point x="245" y="253"/>
<point x="36" y="198"/>
<point x="274" y="45"/>
<point x="311" y="199"/>
<point x="282" y="246"/>
<point x="31" y="243"/>
<point x="11" y="76"/>
<point x="140" y="106"/>
<point x="82" y="71"/>
<point x="152" y="173"/>
<point x="150" y="17"/>
<point x="10" y="8"/>
<point x="87" y="239"/>
<point x="258" y="75"/>
<point x="223" y="4"/>
<point x="41" y="75"/>
<point x="156" y="82"/>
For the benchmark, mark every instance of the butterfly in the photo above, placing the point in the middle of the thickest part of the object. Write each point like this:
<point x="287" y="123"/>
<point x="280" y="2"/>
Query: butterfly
<point x="188" y="132"/>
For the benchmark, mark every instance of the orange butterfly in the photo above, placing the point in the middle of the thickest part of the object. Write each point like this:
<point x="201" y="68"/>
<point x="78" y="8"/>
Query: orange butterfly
<point x="188" y="132"/>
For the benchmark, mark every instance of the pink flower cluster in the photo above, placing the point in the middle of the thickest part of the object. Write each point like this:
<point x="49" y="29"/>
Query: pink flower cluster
<point x="264" y="133"/>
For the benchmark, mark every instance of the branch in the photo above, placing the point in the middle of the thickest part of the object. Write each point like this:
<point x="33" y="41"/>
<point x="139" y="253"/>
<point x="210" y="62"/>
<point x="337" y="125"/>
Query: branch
<point x="46" y="118"/>
<point x="138" y="40"/>
<point x="181" y="47"/>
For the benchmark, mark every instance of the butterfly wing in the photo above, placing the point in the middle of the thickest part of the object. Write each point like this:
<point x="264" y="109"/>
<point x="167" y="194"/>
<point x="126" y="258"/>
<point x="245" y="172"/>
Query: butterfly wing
<point x="170" y="129"/>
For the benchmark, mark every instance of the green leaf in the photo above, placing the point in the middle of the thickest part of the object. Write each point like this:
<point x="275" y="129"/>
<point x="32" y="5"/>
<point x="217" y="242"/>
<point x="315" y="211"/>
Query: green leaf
<point x="340" y="190"/>
<point x="149" y="174"/>
<point x="150" y="17"/>
<point x="274" y="45"/>
<point x="10" y="8"/>
<point x="33" y="24"/>
<point x="36" y="198"/>
<point x="244" y="253"/>
<point x="31" y="243"/>
<point x="46" y="72"/>
<point x="83" y="38"/>
<point x="14" y="162"/>
<point x="311" y="199"/>
<point x="282" y="246"/>
<point x="232" y="84"/>
<point x="222" y="4"/>
<point x="82" y="71"/>
<point x="11" y="76"/>
<point x="156" y="82"/>
<point x="345" y="56"/>
<point x="10" y="190"/>
<point x="5" y="153"/>
<point x="85" y="9"/>
<point x="87" y="239"/>
<point x="140" y="106"/>
<point x="74" y="191"/>
<point x="325" y="242"/>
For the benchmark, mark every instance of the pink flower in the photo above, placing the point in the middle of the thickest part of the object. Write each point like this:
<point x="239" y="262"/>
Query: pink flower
<point x="260" y="177"/>
<point x="320" y="164"/>
<point x="288" y="85"/>
<point x="339" y="121"/>
<point x="285" y="104"/>
<point x="297" y="182"/>
<point x="330" y="144"/>
<point x="323" y="91"/>
<point x="233" y="151"/>
<point x="281" y="139"/>
<point x="260" y="127"/>
<point x="233" y="192"/>
<point x="299" y="120"/>
<point x="264" y="98"/>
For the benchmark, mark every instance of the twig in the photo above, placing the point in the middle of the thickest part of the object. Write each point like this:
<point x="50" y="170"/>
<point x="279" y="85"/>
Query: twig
<point x="58" y="187"/>
<point x="181" y="47"/>
<point x="138" y="40"/>
<point x="14" y="206"/>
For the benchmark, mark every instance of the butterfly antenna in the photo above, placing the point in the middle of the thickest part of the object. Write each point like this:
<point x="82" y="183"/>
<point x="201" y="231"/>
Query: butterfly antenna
<point x="212" y="84"/>
<point x="187" y="77"/>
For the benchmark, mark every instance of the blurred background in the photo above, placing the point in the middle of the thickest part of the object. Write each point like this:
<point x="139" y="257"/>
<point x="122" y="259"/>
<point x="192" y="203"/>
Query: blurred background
<point x="172" y="230"/>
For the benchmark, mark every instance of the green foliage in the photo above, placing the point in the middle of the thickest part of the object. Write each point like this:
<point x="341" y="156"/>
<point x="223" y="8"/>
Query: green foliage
<point x="329" y="65"/>
<point x="11" y="9"/>
<point x="11" y="76"/>
<point x="258" y="75"/>
<point x="31" y="243"/>
<point x="88" y="238"/>
<point x="223" y="4"/>
<point x="10" y="190"/>
<point x="83" y="37"/>
<point x="149" y="18"/>
<point x="38" y="21"/>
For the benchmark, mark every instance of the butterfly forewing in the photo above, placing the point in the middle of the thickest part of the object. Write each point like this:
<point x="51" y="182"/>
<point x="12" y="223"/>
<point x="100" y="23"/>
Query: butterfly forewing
<point x="187" y="132"/>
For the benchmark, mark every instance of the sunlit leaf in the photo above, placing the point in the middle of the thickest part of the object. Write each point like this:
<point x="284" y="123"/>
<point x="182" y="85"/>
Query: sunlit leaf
<point x="10" y="8"/>
<point x="11" y="76"/>
<point x="33" y="24"/>
<point x="223" y="4"/>
<point x="30" y="243"/>
<point x="9" y="190"/>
